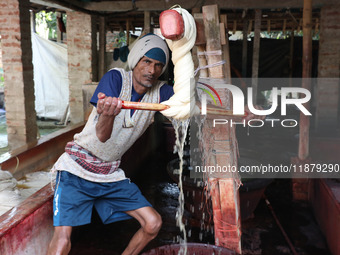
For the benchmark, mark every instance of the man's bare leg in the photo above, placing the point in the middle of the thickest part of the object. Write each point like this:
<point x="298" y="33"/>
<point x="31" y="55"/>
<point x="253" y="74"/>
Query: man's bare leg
<point x="61" y="241"/>
<point x="150" y="222"/>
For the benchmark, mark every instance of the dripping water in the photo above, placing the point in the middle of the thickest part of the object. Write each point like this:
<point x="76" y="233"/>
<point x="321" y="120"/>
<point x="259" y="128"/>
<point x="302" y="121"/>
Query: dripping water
<point x="181" y="128"/>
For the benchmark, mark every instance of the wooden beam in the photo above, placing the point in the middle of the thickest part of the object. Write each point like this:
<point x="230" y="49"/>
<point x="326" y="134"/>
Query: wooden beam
<point x="63" y="5"/>
<point x="145" y="5"/>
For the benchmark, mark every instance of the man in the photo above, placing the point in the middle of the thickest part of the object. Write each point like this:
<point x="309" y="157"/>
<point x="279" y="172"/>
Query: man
<point x="88" y="172"/>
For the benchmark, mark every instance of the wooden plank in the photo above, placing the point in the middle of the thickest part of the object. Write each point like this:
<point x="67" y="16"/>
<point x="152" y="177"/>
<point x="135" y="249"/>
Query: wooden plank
<point x="256" y="53"/>
<point x="202" y="61"/>
<point x="216" y="204"/>
<point x="231" y="201"/>
<point x="223" y="35"/>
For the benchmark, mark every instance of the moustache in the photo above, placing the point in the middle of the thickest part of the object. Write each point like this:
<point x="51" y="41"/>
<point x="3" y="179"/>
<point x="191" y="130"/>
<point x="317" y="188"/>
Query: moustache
<point x="149" y="77"/>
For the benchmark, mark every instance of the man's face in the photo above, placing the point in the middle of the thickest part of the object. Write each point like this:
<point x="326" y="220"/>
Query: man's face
<point x="146" y="73"/>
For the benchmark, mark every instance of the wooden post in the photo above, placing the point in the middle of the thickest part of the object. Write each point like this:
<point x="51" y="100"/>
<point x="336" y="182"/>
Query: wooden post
<point x="33" y="28"/>
<point x="291" y="57"/>
<point x="256" y="54"/>
<point x="245" y="48"/>
<point x="102" y="46"/>
<point x="59" y="33"/>
<point x="147" y="23"/>
<point x="127" y="32"/>
<point x="303" y="184"/>
<point x="284" y="28"/>
<point x="223" y="189"/>
<point x="213" y="37"/>
<point x="306" y="74"/>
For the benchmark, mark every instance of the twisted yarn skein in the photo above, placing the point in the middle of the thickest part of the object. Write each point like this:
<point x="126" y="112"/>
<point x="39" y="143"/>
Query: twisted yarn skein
<point x="182" y="103"/>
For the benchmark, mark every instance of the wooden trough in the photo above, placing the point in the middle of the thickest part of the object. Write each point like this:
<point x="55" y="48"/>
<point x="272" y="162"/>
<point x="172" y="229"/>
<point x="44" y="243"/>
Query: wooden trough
<point x="28" y="228"/>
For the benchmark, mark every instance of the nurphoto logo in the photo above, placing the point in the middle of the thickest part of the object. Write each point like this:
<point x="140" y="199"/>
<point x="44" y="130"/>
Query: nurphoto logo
<point x="239" y="104"/>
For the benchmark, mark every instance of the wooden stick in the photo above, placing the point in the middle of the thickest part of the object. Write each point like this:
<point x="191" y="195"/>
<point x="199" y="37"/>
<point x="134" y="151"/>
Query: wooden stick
<point x="144" y="106"/>
<point x="160" y="107"/>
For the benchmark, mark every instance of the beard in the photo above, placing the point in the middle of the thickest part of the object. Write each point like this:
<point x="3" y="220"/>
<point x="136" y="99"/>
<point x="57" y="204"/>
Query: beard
<point x="146" y="85"/>
<point x="150" y="83"/>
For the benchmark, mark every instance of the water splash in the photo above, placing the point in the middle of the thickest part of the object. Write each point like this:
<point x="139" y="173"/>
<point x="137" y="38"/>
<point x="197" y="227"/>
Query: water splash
<point x="181" y="128"/>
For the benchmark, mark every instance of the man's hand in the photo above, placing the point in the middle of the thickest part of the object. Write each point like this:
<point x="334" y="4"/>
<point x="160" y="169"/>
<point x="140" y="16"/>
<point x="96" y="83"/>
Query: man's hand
<point x="251" y="115"/>
<point x="108" y="108"/>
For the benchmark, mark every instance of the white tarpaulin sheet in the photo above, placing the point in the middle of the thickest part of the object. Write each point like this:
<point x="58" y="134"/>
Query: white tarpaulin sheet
<point x="50" y="78"/>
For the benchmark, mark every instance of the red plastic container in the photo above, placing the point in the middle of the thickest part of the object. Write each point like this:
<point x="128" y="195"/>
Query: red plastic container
<point x="171" y="24"/>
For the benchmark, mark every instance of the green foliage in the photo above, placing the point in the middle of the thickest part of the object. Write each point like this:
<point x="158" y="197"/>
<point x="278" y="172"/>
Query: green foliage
<point x="48" y="20"/>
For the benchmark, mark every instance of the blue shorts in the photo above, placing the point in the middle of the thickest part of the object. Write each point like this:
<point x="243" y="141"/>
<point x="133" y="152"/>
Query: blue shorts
<point x="75" y="197"/>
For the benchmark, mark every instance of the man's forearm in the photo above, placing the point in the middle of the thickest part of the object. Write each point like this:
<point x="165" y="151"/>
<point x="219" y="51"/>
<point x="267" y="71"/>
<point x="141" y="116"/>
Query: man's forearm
<point x="107" y="108"/>
<point x="104" y="127"/>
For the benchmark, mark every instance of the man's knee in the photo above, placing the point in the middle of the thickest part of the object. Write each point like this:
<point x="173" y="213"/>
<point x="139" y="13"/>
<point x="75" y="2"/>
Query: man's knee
<point x="153" y="225"/>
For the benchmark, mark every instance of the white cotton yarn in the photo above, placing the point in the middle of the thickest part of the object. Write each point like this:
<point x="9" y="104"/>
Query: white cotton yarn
<point x="182" y="103"/>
